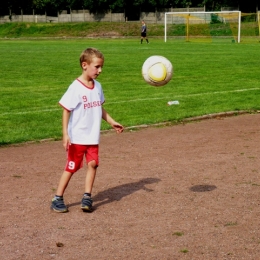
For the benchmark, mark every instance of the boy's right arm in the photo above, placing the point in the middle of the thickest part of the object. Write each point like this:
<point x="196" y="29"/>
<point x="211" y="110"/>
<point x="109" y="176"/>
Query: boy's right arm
<point x="65" y="122"/>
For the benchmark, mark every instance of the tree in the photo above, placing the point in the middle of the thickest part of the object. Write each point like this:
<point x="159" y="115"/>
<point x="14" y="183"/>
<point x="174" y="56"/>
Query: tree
<point x="98" y="5"/>
<point x="131" y="7"/>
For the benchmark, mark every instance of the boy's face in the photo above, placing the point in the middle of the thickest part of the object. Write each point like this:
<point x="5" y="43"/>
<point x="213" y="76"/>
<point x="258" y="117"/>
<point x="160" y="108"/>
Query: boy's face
<point x="94" y="68"/>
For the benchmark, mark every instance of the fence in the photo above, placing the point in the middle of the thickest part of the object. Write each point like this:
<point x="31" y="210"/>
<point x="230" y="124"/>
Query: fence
<point x="86" y="16"/>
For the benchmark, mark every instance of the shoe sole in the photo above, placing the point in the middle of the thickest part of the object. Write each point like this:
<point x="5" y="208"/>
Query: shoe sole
<point x="59" y="211"/>
<point x="86" y="209"/>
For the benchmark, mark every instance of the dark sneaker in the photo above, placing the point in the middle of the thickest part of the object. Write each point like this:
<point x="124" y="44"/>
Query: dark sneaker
<point x="86" y="203"/>
<point x="57" y="204"/>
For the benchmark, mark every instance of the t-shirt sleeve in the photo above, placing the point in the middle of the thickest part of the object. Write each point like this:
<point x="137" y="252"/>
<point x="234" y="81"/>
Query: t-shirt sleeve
<point x="70" y="99"/>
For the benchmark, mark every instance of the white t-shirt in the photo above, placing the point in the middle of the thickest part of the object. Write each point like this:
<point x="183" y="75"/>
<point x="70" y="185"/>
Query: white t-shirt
<point x="85" y="105"/>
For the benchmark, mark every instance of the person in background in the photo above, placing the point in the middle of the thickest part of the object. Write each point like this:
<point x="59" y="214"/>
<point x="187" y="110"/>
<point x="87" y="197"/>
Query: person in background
<point x="144" y="32"/>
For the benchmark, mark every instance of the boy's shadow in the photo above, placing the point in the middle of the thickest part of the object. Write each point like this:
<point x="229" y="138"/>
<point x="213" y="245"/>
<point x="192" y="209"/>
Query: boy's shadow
<point x="119" y="192"/>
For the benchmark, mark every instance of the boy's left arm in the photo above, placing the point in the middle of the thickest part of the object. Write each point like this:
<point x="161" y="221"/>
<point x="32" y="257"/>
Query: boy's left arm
<point x="118" y="127"/>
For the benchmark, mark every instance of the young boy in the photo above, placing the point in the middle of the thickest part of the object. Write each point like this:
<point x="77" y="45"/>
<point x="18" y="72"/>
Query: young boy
<point x="81" y="122"/>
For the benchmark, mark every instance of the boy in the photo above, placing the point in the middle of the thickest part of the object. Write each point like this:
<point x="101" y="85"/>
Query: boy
<point x="81" y="122"/>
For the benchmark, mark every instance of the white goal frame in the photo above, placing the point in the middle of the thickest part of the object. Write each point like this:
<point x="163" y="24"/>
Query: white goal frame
<point x="194" y="13"/>
<point x="258" y="20"/>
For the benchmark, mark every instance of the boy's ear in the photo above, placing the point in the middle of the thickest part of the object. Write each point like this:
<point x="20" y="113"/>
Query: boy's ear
<point x="84" y="65"/>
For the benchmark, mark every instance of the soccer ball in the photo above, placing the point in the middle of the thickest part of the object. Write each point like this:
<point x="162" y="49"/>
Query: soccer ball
<point x="157" y="70"/>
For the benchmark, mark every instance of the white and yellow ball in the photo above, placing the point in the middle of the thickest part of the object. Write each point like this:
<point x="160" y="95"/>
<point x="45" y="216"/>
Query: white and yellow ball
<point x="157" y="70"/>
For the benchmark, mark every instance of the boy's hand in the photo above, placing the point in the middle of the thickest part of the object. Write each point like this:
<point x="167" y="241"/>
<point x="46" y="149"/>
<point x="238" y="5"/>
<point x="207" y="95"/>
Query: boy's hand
<point x="66" y="142"/>
<point x="118" y="127"/>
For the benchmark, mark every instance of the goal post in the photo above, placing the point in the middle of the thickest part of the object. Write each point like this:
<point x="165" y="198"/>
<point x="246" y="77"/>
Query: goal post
<point x="258" y="20"/>
<point x="192" y="20"/>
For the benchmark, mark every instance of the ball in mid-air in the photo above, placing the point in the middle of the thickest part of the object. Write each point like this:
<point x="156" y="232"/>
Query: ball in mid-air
<point x="157" y="70"/>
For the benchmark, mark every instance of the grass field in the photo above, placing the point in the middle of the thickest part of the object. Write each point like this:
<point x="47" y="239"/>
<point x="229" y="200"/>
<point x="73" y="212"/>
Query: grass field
<point x="208" y="78"/>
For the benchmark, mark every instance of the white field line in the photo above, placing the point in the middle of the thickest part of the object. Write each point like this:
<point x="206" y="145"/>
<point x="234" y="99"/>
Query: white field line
<point x="30" y="111"/>
<point x="190" y="95"/>
<point x="133" y="100"/>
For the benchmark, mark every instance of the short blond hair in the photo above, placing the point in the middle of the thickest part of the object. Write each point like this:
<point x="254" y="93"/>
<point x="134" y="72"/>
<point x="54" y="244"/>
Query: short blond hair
<point x="88" y="55"/>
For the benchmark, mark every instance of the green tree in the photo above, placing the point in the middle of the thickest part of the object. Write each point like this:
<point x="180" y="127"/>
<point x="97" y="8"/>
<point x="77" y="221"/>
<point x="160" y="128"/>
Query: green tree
<point x="104" y="5"/>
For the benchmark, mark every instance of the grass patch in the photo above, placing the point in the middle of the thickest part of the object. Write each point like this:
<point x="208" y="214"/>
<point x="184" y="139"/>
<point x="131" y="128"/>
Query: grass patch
<point x="208" y="78"/>
<point x="185" y="251"/>
<point x="178" y="234"/>
<point x="231" y="224"/>
<point x="127" y="29"/>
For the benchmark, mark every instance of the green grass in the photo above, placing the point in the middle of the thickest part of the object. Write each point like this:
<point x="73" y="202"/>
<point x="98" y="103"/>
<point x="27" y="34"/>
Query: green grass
<point x="125" y="29"/>
<point x="16" y="30"/>
<point x="208" y="78"/>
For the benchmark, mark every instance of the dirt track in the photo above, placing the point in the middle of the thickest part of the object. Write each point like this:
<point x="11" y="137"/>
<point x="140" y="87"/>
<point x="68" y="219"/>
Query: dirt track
<point x="187" y="191"/>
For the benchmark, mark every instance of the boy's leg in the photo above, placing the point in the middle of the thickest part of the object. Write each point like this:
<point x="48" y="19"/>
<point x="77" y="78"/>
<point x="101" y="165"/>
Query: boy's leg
<point x="86" y="203"/>
<point x="57" y="202"/>
<point x="64" y="181"/>
<point x="90" y="177"/>
<point x="74" y="163"/>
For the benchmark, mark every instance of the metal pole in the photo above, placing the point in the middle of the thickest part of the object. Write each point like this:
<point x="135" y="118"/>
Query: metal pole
<point x="165" y="29"/>
<point x="239" y="26"/>
<point x="187" y="31"/>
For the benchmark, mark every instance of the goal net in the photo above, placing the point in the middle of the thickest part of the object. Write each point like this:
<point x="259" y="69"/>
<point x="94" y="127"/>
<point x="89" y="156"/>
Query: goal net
<point x="250" y="27"/>
<point x="258" y="23"/>
<point x="203" y="26"/>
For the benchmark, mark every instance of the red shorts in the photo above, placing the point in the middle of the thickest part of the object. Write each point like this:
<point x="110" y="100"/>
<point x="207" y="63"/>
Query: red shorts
<point x="76" y="153"/>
